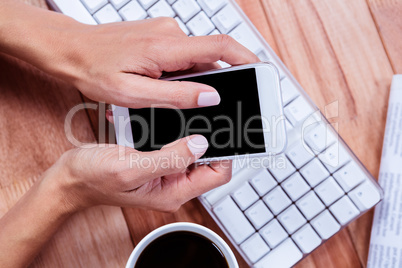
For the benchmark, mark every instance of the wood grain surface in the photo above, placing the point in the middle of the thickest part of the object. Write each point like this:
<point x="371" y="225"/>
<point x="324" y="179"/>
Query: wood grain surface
<point x="342" y="52"/>
<point x="387" y="15"/>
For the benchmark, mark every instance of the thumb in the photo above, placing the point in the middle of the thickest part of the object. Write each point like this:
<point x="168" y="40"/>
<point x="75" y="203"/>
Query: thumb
<point x="177" y="156"/>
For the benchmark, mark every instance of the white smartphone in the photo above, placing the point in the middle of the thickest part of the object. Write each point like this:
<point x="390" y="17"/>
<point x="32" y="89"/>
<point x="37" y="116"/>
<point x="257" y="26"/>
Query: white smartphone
<point x="249" y="120"/>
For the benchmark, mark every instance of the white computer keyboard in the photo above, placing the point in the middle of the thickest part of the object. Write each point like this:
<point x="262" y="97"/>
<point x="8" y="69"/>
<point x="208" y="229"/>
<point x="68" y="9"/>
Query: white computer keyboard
<point x="277" y="215"/>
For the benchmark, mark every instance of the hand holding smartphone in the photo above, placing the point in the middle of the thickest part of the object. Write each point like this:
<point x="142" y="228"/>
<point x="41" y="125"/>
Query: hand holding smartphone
<point x="248" y="121"/>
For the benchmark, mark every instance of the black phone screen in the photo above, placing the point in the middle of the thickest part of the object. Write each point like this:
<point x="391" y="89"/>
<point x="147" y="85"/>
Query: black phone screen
<point x="233" y="127"/>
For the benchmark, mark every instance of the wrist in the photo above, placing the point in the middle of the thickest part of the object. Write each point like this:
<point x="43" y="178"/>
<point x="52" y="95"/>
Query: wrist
<point x="45" y="39"/>
<point x="56" y="185"/>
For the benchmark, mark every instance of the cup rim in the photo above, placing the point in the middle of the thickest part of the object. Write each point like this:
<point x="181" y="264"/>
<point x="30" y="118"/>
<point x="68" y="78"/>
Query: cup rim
<point x="183" y="226"/>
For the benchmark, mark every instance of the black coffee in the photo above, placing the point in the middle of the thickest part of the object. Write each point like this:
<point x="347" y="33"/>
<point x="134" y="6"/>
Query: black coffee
<point x="181" y="250"/>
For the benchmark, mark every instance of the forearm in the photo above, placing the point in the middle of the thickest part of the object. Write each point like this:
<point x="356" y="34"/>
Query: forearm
<point x="26" y="228"/>
<point x="40" y="37"/>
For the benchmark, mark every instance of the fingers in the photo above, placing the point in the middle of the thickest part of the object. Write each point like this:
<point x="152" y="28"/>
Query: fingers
<point x="172" y="158"/>
<point x="201" y="52"/>
<point x="202" y="67"/>
<point x="109" y="116"/>
<point x="207" y="177"/>
<point x="141" y="92"/>
<point x="203" y="49"/>
<point x="198" y="67"/>
<point x="207" y="49"/>
<point x="222" y="166"/>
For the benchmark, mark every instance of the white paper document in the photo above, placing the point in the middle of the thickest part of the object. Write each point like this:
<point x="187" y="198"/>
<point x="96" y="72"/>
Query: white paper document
<point x="386" y="233"/>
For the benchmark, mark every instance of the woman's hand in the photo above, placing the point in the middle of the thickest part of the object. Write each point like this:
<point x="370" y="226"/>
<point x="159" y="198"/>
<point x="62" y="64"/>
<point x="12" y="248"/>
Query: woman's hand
<point x="120" y="176"/>
<point x="161" y="180"/>
<point x="117" y="63"/>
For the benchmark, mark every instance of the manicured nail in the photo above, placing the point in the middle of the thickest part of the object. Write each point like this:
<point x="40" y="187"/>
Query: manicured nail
<point x="198" y="145"/>
<point x="209" y="98"/>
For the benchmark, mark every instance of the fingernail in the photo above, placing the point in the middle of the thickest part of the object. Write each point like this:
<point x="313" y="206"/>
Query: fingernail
<point x="198" y="145"/>
<point x="209" y="98"/>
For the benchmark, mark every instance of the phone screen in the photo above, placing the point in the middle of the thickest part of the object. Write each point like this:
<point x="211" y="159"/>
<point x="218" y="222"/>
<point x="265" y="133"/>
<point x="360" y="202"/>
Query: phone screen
<point x="234" y="127"/>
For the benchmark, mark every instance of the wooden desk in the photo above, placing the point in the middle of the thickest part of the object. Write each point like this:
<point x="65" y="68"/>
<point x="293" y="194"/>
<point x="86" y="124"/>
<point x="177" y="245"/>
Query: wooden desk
<point x="343" y="53"/>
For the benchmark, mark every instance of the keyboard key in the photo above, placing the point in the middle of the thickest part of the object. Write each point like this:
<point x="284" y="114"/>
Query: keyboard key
<point x="263" y="56"/>
<point x="273" y="233"/>
<point x="184" y="28"/>
<point x="291" y="219"/>
<point x="147" y="3"/>
<point x="307" y="239"/>
<point x="289" y="91"/>
<point x="281" y="168"/>
<point x="133" y="11"/>
<point x="254" y="248"/>
<point x="299" y="154"/>
<point x="118" y="3"/>
<point x="245" y="196"/>
<point x="211" y="6"/>
<point x="259" y="214"/>
<point x="344" y="210"/>
<point x="329" y="191"/>
<point x="94" y="5"/>
<point x="321" y="137"/>
<point x="349" y="176"/>
<point x="226" y="19"/>
<point x="314" y="172"/>
<point x="288" y="125"/>
<point x="334" y="157"/>
<point x="284" y="256"/>
<point x="365" y="196"/>
<point x="277" y="200"/>
<point x="76" y="10"/>
<point x="298" y="110"/>
<point x="200" y="25"/>
<point x="325" y="225"/>
<point x="263" y="182"/>
<point x="186" y="9"/>
<point x="215" y="32"/>
<point x="295" y="186"/>
<point x="223" y="64"/>
<point x="310" y="205"/>
<point x="233" y="220"/>
<point x="161" y="9"/>
<point x="107" y="15"/>
<point x="246" y="37"/>
<point x="214" y="196"/>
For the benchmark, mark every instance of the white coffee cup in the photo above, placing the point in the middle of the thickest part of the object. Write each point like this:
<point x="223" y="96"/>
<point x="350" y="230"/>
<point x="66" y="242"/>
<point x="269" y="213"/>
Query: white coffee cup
<point x="183" y="226"/>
